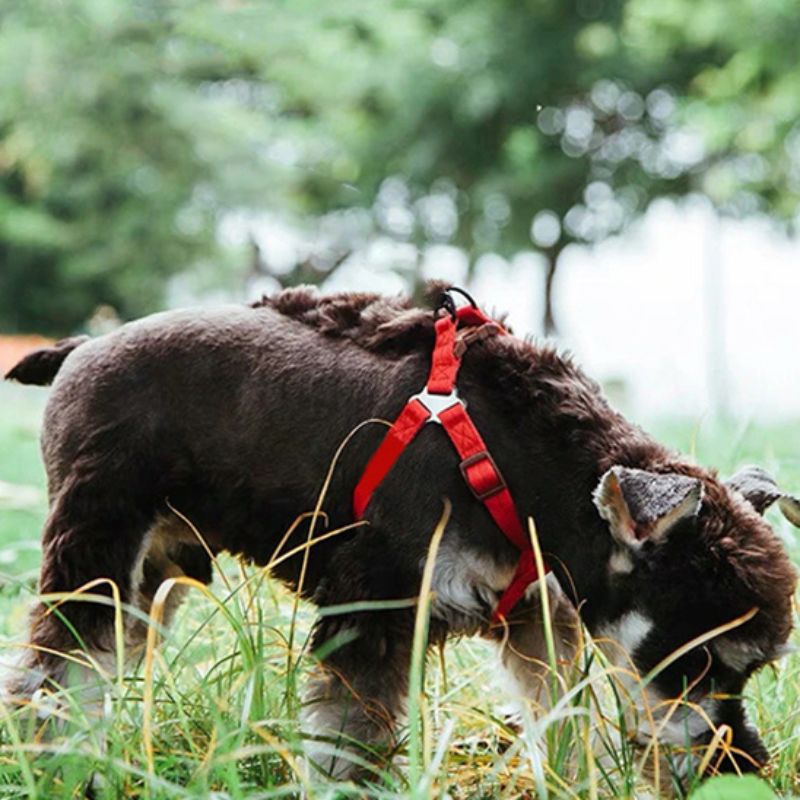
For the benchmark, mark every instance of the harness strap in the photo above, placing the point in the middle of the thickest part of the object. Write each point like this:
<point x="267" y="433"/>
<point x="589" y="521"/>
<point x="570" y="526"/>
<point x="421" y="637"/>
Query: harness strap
<point x="525" y="575"/>
<point x="444" y="362"/>
<point x="441" y="381"/>
<point x="439" y="403"/>
<point x="482" y="474"/>
<point x="405" y="428"/>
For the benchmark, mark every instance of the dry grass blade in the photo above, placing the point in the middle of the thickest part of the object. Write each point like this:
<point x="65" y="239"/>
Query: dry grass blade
<point x="417" y="752"/>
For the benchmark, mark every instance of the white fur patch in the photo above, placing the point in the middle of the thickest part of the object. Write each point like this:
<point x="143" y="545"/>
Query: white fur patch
<point x="90" y="686"/>
<point x="466" y="586"/>
<point x="338" y="722"/>
<point x="686" y="724"/>
<point x="523" y="656"/>
<point x="628" y="631"/>
<point x="621" y="562"/>
<point x="327" y="720"/>
<point x="93" y="686"/>
<point x="736" y="654"/>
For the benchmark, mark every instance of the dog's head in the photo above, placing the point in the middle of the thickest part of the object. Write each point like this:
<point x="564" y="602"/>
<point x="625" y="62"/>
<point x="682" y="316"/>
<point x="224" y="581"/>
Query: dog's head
<point x="701" y="594"/>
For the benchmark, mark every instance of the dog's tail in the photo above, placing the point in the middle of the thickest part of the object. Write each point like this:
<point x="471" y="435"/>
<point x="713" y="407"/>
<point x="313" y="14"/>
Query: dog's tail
<point x="40" y="367"/>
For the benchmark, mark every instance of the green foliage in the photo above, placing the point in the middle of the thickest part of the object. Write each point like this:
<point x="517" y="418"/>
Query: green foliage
<point x="741" y="94"/>
<point x="731" y="787"/>
<point x="21" y="472"/>
<point x="116" y="157"/>
<point x="129" y="131"/>
<point x="97" y="166"/>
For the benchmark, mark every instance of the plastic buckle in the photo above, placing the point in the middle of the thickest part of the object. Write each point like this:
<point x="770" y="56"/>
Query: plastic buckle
<point x="437" y="403"/>
<point x="476" y="459"/>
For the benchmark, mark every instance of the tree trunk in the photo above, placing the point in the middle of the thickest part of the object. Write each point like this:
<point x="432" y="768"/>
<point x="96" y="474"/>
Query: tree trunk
<point x="549" y="321"/>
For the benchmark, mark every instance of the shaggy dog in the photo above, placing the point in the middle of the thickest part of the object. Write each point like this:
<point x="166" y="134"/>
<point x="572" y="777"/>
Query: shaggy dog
<point x="235" y="414"/>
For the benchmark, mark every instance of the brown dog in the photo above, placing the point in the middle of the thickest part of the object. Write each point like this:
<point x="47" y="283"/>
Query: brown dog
<point x="234" y="414"/>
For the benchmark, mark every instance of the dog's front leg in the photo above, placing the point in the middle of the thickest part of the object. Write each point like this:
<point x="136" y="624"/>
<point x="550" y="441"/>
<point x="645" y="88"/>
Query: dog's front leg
<point x="357" y="691"/>
<point x="523" y="647"/>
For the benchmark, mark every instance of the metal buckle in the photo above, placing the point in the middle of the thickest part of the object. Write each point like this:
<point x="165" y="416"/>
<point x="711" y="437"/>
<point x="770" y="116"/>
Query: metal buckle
<point x="491" y="491"/>
<point x="437" y="403"/>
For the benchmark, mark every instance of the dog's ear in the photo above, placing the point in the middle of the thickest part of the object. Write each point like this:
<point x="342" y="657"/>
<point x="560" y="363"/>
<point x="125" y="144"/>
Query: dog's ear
<point x="759" y="488"/>
<point x="644" y="506"/>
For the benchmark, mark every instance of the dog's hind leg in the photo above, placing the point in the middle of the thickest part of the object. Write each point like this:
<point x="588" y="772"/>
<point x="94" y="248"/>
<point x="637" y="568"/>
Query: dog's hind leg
<point x="73" y="643"/>
<point x="93" y="541"/>
<point x="357" y="692"/>
<point x="170" y="551"/>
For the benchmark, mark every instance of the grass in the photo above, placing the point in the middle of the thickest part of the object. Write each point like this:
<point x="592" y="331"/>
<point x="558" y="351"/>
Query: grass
<point x="212" y="710"/>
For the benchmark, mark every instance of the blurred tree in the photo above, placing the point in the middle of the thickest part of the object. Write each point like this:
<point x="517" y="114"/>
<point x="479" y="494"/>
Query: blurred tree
<point x="97" y="169"/>
<point x="115" y="157"/>
<point x="739" y="109"/>
<point x="132" y="134"/>
<point x="511" y="126"/>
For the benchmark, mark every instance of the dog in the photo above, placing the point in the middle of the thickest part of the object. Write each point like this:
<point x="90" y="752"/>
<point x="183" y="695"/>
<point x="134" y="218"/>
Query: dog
<point x="233" y="416"/>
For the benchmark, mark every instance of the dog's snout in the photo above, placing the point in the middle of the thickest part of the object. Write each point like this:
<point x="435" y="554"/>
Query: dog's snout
<point x="746" y="751"/>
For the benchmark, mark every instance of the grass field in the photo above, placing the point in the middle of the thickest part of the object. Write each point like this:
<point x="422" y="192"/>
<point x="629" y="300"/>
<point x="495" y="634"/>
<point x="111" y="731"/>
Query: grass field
<point x="212" y="711"/>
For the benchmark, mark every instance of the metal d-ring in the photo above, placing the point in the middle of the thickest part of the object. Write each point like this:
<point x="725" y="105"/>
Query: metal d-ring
<point x="465" y="294"/>
<point x="447" y="303"/>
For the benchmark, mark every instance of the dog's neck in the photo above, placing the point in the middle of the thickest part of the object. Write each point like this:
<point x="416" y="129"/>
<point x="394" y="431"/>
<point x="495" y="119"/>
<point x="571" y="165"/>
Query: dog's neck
<point x="559" y="468"/>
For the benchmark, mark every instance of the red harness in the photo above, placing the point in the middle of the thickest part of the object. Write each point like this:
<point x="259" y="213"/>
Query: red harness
<point x="440" y="403"/>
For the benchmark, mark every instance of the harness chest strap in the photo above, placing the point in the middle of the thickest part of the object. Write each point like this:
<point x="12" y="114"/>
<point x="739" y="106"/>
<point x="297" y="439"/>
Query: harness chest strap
<point x="439" y="403"/>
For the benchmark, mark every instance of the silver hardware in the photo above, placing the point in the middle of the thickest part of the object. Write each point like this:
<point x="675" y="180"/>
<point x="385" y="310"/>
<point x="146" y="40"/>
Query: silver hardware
<point x="437" y="403"/>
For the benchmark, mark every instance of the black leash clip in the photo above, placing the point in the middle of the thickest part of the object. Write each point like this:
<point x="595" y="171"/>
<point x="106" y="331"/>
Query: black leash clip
<point x="448" y="304"/>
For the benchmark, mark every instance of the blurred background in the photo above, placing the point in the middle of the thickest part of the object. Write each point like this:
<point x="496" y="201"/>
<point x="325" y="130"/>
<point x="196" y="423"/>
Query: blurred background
<point x="620" y="175"/>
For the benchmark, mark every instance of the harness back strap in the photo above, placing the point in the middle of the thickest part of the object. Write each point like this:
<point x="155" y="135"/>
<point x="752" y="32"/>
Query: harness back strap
<point x="439" y="403"/>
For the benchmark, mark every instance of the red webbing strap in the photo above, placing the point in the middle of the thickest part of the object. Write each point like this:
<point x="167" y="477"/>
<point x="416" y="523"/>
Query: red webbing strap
<point x="404" y="429"/>
<point x="481" y="473"/>
<point x="471" y="316"/>
<point x="444" y="362"/>
<point x="441" y="380"/>
<point x="487" y="484"/>
<point x="525" y="575"/>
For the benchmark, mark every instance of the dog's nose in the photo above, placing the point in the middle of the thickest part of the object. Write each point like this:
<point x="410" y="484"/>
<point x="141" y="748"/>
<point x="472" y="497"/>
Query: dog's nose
<point x="748" y="753"/>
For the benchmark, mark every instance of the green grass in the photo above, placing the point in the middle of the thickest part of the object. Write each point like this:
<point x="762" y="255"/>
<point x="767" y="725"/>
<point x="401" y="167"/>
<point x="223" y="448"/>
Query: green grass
<point x="224" y="683"/>
<point x="21" y="465"/>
